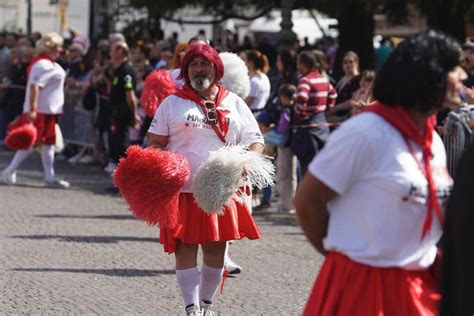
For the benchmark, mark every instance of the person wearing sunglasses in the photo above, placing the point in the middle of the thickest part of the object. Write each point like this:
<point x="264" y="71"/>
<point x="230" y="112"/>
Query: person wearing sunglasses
<point x="202" y="117"/>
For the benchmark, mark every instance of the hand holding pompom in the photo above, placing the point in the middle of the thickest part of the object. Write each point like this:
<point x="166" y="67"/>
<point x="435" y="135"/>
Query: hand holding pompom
<point x="150" y="180"/>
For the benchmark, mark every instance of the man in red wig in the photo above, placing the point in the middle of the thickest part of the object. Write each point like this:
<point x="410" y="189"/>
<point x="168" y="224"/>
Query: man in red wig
<point x="199" y="118"/>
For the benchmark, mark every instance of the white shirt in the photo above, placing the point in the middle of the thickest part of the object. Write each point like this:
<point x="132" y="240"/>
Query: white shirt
<point x="260" y="90"/>
<point x="377" y="218"/>
<point x="192" y="136"/>
<point x="49" y="76"/>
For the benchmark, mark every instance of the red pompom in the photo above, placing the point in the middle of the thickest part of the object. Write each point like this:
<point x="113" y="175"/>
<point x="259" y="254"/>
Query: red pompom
<point x="21" y="134"/>
<point x="150" y="180"/>
<point x="158" y="85"/>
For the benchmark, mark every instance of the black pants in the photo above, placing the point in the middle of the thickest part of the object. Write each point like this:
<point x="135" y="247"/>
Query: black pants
<point x="305" y="144"/>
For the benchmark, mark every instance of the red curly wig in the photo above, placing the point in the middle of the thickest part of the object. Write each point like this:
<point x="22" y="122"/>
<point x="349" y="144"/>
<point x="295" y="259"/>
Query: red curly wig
<point x="206" y="52"/>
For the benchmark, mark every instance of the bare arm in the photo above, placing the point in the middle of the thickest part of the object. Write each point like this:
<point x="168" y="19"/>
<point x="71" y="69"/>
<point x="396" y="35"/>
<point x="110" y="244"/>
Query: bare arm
<point x="256" y="147"/>
<point x="249" y="100"/>
<point x="158" y="141"/>
<point x="311" y="208"/>
<point x="132" y="103"/>
<point x="34" y="92"/>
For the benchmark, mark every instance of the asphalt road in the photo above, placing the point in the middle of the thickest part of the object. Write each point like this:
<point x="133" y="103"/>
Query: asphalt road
<point x="80" y="251"/>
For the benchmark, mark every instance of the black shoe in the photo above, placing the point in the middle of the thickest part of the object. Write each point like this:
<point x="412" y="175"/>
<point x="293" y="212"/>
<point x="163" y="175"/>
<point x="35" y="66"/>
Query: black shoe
<point x="112" y="190"/>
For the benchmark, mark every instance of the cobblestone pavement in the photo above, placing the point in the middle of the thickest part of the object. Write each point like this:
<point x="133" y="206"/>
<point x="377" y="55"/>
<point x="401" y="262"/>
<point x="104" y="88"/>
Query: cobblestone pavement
<point x="79" y="251"/>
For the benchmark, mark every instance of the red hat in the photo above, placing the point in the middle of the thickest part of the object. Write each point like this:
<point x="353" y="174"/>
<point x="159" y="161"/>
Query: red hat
<point x="206" y="52"/>
<point x="21" y="137"/>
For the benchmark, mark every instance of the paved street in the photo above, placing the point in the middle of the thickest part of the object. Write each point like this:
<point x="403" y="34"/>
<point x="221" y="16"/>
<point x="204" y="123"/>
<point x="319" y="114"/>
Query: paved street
<point x="79" y="251"/>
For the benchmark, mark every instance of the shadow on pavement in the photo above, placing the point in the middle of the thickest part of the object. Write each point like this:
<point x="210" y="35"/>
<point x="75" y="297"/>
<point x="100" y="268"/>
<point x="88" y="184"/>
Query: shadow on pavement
<point x="107" y="272"/>
<point x="113" y="217"/>
<point x="89" y="239"/>
<point x="278" y="219"/>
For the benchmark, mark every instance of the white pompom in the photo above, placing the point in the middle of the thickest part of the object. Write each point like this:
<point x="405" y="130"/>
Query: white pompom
<point x="236" y="78"/>
<point x="225" y="172"/>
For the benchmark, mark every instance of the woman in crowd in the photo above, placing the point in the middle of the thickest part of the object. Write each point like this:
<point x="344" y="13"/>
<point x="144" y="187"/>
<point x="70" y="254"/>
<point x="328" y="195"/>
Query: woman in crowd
<point x="381" y="184"/>
<point x="346" y="86"/>
<point x="258" y="66"/>
<point x="179" y="52"/>
<point x="43" y="105"/>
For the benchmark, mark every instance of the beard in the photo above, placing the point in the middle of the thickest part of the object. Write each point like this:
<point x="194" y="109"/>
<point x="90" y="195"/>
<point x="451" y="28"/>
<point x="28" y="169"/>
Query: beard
<point x="202" y="81"/>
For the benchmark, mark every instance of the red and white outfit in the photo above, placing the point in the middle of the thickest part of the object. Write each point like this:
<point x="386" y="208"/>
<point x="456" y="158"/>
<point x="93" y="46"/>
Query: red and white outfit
<point x="191" y="135"/>
<point x="381" y="238"/>
<point x="49" y="76"/>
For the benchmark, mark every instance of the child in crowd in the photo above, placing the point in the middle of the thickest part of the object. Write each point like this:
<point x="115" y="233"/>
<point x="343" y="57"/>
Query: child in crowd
<point x="286" y="162"/>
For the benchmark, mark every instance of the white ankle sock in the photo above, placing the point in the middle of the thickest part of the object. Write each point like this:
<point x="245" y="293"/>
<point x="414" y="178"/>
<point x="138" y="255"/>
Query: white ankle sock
<point x="17" y="160"/>
<point x="210" y="281"/>
<point x="47" y="158"/>
<point x="188" y="281"/>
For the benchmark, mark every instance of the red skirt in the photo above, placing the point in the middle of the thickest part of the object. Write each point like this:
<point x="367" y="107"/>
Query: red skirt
<point x="344" y="287"/>
<point x="197" y="227"/>
<point x="45" y="124"/>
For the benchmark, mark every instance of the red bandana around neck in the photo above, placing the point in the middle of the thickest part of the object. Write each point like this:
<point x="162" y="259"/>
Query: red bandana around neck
<point x="399" y="118"/>
<point x="187" y="92"/>
<point x="34" y="60"/>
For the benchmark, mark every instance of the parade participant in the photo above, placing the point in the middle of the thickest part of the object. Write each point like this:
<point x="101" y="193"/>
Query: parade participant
<point x="381" y="184"/>
<point x="44" y="102"/>
<point x="200" y="118"/>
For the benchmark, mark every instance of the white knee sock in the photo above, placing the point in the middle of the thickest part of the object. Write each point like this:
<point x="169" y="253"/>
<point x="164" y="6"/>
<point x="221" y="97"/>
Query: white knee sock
<point x="210" y="281"/>
<point x="47" y="157"/>
<point x="17" y="160"/>
<point x="188" y="281"/>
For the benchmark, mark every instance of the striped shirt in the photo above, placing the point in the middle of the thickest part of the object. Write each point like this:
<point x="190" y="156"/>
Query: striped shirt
<point x="315" y="95"/>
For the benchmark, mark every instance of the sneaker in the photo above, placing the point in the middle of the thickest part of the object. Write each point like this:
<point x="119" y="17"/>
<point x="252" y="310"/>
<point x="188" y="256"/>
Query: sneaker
<point x="75" y="159"/>
<point x="9" y="177"/>
<point x="59" y="184"/>
<point x="86" y="159"/>
<point x="231" y="267"/>
<point x="110" y="167"/>
<point x="206" y="309"/>
<point x="193" y="310"/>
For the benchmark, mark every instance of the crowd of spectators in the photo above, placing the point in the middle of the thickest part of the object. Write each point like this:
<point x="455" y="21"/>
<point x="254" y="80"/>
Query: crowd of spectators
<point x="110" y="76"/>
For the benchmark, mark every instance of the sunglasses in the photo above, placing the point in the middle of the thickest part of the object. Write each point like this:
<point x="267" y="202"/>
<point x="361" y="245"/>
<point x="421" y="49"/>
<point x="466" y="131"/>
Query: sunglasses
<point x="211" y="113"/>
<point x="348" y="61"/>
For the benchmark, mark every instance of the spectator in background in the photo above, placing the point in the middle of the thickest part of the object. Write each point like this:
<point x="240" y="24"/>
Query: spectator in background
<point x="176" y="64"/>
<point x="257" y="63"/>
<point x="382" y="53"/>
<point x="468" y="55"/>
<point x="363" y="96"/>
<point x="315" y="96"/>
<point x="14" y="96"/>
<point x="346" y="86"/>
<point x="121" y="110"/>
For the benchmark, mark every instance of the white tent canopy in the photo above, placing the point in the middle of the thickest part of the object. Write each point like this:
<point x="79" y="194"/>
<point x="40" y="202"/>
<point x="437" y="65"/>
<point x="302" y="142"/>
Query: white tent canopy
<point x="304" y="24"/>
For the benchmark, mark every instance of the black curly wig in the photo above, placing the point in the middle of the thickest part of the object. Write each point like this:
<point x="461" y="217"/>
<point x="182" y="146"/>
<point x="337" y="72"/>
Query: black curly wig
<point x="414" y="76"/>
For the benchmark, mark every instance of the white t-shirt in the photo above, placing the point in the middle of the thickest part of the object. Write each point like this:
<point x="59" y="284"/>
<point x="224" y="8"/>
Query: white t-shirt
<point x="191" y="135"/>
<point x="260" y="90"/>
<point x="49" y="76"/>
<point x="378" y="216"/>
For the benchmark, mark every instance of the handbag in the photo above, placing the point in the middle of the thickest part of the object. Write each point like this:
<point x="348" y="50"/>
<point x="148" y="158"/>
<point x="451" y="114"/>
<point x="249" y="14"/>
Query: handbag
<point x="276" y="139"/>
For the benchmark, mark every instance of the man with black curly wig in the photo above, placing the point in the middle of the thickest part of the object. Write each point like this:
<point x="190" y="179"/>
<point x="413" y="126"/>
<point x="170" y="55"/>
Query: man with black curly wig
<point x="372" y="200"/>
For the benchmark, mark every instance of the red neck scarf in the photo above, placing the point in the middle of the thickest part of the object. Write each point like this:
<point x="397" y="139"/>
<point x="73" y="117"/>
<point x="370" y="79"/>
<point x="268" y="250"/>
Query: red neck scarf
<point x="188" y="93"/>
<point x="34" y="60"/>
<point x="399" y="118"/>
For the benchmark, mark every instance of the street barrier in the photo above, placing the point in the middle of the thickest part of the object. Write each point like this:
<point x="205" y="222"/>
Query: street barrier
<point x="77" y="124"/>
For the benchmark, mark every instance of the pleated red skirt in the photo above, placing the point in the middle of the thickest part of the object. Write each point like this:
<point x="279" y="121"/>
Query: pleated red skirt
<point x="197" y="227"/>
<point x="344" y="287"/>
